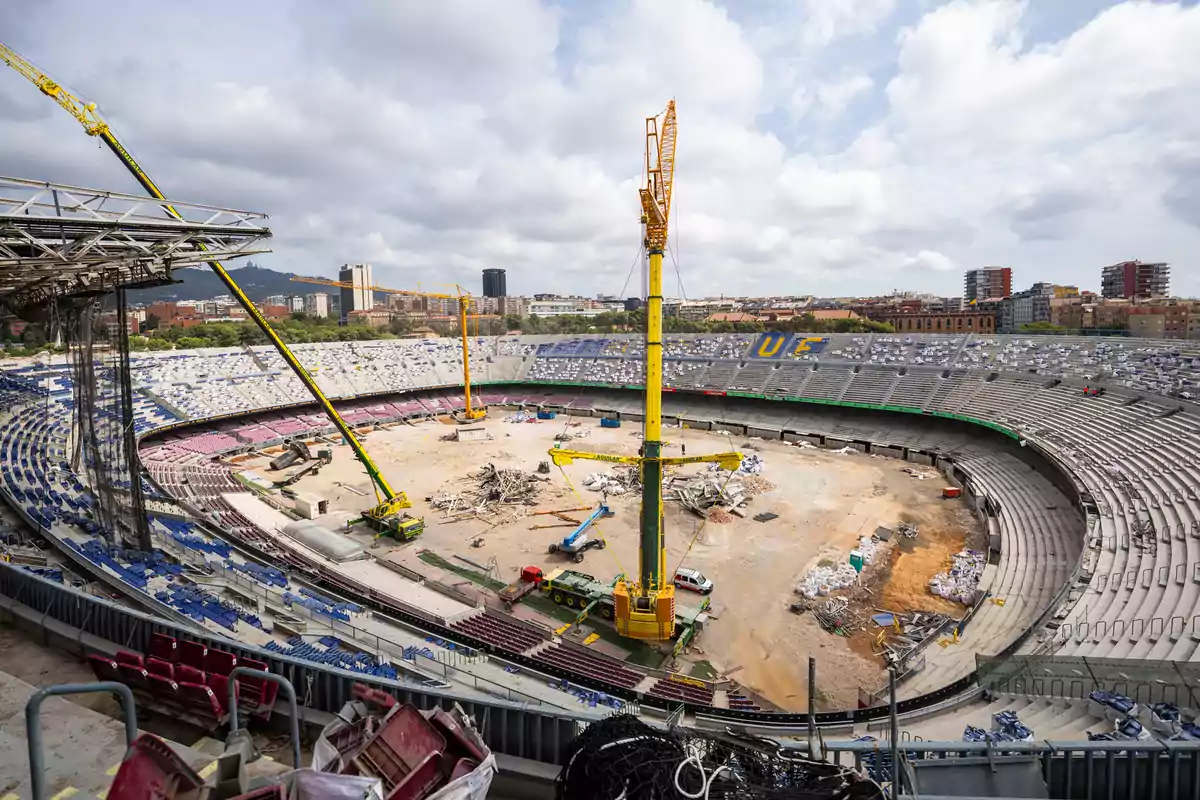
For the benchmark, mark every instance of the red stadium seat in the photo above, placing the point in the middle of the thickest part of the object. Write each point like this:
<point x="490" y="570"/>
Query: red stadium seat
<point x="163" y="647"/>
<point x="105" y="668"/>
<point x="134" y="677"/>
<point x="133" y="659"/>
<point x="189" y="674"/>
<point x="156" y="666"/>
<point x="191" y="653"/>
<point x="220" y="662"/>
<point x="200" y="700"/>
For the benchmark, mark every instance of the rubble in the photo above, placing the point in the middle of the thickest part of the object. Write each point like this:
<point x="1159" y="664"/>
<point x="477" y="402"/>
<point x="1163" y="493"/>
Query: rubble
<point x="961" y="582"/>
<point x="756" y="484"/>
<point x="617" y="481"/>
<point x="700" y="493"/>
<point x="847" y="451"/>
<point x="921" y="474"/>
<point x="832" y="617"/>
<point x="492" y="489"/>
<point x="521" y="416"/>
<point x="581" y="433"/>
<point x="904" y="633"/>
<point x="407" y="752"/>
<point x="821" y="580"/>
<point x="907" y="530"/>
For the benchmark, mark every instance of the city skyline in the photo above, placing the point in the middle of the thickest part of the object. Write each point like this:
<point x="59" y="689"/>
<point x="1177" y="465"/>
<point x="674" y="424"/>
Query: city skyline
<point x="831" y="149"/>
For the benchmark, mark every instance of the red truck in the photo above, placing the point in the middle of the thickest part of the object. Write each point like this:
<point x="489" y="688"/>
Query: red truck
<point x="530" y="578"/>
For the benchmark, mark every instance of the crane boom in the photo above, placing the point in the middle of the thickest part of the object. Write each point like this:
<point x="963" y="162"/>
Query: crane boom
<point x="645" y="608"/>
<point x="463" y="297"/>
<point x="94" y="125"/>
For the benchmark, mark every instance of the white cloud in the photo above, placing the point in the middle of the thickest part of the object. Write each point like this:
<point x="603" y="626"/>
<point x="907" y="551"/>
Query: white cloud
<point x="438" y="142"/>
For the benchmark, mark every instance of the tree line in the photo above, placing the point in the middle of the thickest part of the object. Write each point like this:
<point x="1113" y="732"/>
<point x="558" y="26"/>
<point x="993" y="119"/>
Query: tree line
<point x="301" y="328"/>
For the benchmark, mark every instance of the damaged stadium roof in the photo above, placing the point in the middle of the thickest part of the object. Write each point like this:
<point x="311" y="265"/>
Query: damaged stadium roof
<point x="58" y="240"/>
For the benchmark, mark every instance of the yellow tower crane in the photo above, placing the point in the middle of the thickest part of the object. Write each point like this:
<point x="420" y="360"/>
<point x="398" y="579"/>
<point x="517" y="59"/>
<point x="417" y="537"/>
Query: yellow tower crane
<point x="387" y="512"/>
<point x="470" y="412"/>
<point x="645" y="608"/>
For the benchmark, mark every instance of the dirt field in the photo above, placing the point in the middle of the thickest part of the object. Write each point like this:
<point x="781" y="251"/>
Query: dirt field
<point x="825" y="501"/>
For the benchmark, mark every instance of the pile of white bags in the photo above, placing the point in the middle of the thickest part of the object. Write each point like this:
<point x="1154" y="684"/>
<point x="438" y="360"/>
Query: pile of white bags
<point x="604" y="482"/>
<point x="961" y="583"/>
<point x="823" y="580"/>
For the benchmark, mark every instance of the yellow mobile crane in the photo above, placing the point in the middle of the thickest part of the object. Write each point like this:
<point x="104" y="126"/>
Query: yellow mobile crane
<point x="388" y="512"/>
<point x="645" y="608"/>
<point x="470" y="413"/>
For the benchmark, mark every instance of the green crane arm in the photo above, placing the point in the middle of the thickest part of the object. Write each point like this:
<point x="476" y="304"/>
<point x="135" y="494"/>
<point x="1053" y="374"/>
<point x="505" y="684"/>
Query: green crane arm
<point x="94" y="125"/>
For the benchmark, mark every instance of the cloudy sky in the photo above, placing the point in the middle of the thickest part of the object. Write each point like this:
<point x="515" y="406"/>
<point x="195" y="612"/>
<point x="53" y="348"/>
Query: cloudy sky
<point x="825" y="146"/>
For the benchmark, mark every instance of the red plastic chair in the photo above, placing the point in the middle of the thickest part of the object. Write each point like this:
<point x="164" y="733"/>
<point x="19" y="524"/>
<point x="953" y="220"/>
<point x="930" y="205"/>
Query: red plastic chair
<point x="185" y="673"/>
<point x="156" y="666"/>
<point x="105" y="668"/>
<point x="125" y="657"/>
<point x="163" y="647"/>
<point x="191" y="653"/>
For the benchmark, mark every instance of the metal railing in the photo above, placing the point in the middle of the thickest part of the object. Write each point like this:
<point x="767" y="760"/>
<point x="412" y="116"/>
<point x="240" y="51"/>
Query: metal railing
<point x="1076" y="770"/>
<point x="33" y="724"/>
<point x="1075" y="677"/>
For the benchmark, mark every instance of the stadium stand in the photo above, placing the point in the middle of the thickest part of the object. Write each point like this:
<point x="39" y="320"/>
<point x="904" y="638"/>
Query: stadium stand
<point x="1116" y="520"/>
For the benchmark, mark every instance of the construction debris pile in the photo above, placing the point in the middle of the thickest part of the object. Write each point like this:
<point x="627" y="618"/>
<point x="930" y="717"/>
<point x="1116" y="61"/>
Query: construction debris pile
<point x="616" y="481"/>
<point x="751" y="465"/>
<point x="411" y="753"/>
<point x="716" y="496"/>
<point x="921" y="474"/>
<point x="579" y="433"/>
<point x="821" y="580"/>
<point x="490" y="489"/>
<point x="961" y="582"/>
<point x="904" y="633"/>
<point x="836" y="617"/>
<point x="521" y="416"/>
<point x="907" y="530"/>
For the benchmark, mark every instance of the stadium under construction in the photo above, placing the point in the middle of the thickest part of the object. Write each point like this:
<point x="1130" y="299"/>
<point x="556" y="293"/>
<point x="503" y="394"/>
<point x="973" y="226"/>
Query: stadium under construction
<point x="175" y="516"/>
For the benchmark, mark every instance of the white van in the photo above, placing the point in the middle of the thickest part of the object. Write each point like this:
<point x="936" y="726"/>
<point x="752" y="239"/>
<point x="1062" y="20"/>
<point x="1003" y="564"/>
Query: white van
<point x="692" y="580"/>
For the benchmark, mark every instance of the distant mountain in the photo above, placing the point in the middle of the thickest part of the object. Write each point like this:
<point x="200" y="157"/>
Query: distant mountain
<point x="201" y="283"/>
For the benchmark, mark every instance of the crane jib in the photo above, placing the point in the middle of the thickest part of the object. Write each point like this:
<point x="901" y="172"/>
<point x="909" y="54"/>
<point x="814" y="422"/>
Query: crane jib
<point x="94" y="125"/>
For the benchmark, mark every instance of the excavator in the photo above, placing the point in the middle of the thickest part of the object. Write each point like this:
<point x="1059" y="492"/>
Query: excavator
<point x="388" y="512"/>
<point x="470" y="412"/>
<point x="644" y="608"/>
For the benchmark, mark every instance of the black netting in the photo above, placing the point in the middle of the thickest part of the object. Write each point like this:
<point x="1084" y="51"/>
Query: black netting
<point x="103" y="444"/>
<point x="623" y="757"/>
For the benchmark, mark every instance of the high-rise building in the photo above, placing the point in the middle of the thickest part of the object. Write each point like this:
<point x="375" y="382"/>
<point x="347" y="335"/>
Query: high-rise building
<point x="988" y="283"/>
<point x="316" y="304"/>
<point x="494" y="283"/>
<point x="358" y="298"/>
<point x="1134" y="280"/>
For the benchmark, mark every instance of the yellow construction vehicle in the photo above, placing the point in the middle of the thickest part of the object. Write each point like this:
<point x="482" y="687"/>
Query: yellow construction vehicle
<point x="645" y="608"/>
<point x="470" y="412"/>
<point x="389" y="503"/>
